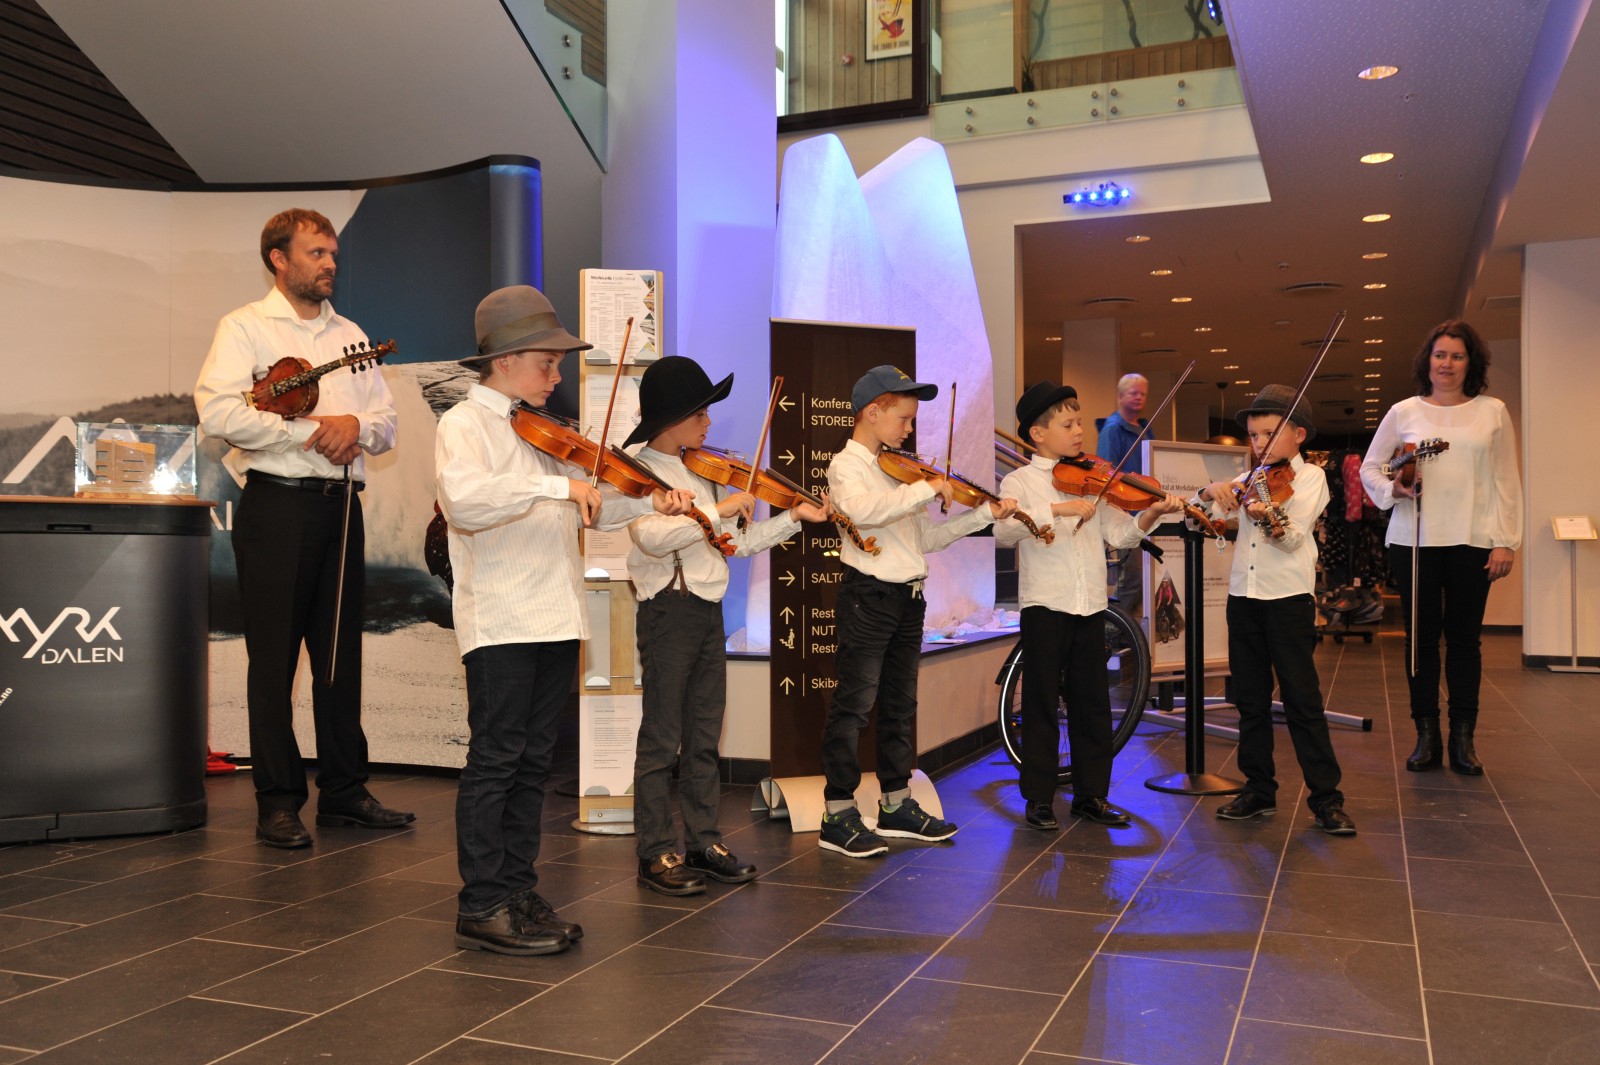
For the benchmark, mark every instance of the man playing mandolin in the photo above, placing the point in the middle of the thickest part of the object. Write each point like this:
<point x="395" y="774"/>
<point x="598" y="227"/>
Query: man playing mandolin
<point x="297" y="509"/>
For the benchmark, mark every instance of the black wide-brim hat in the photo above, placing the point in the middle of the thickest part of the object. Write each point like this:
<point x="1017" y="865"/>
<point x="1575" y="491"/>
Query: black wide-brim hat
<point x="518" y="318"/>
<point x="1275" y="399"/>
<point x="670" y="390"/>
<point x="1038" y="399"/>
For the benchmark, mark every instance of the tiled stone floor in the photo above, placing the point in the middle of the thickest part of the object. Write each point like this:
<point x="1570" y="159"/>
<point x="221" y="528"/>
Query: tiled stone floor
<point x="1461" y="925"/>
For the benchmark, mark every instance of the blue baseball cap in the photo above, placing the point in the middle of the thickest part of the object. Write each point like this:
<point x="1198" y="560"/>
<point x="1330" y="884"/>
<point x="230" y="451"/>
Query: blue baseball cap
<point x="880" y="379"/>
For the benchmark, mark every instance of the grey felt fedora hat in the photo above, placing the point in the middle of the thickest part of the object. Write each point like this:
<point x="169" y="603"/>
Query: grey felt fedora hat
<point x="518" y="318"/>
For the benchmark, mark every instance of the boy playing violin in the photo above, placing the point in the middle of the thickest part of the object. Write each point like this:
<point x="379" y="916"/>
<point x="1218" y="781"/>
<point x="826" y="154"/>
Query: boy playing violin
<point x="1063" y="591"/>
<point x="680" y="580"/>
<point x="880" y="612"/>
<point x="513" y="515"/>
<point x="1272" y="618"/>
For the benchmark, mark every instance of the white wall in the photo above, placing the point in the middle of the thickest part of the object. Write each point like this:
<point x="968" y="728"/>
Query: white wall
<point x="1560" y="380"/>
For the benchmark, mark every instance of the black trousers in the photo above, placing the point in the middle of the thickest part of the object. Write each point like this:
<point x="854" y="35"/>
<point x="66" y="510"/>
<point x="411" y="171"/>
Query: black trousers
<point x="515" y="693"/>
<point x="1279" y="635"/>
<point x="1065" y="654"/>
<point x="880" y="651"/>
<point x="1452" y="591"/>
<point x="684" y="659"/>
<point x="286" y="548"/>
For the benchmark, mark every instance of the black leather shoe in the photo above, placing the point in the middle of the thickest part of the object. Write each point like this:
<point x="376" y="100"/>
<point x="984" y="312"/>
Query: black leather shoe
<point x="538" y="915"/>
<point x="503" y="932"/>
<point x="1042" y="815"/>
<point x="667" y="874"/>
<point x="366" y="813"/>
<point x="1332" y="819"/>
<point x="282" y="828"/>
<point x="1246" y="806"/>
<point x="1100" y="812"/>
<point x="719" y="863"/>
<point x="1429" y="751"/>
<point x="1463" y="756"/>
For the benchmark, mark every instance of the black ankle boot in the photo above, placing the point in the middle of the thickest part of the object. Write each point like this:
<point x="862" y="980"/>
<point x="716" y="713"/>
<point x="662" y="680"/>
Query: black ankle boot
<point x="1463" y="758"/>
<point x="1429" y="750"/>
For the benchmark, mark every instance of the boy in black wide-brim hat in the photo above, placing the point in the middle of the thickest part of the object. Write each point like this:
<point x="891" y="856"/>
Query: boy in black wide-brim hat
<point x="1272" y="625"/>
<point x="680" y="580"/>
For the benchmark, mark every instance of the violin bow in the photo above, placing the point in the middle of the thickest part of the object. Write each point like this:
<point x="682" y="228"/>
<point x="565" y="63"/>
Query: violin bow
<point x="1144" y="431"/>
<point x="605" y="426"/>
<point x="1305" y="382"/>
<point x="949" y="444"/>
<point x="761" y="440"/>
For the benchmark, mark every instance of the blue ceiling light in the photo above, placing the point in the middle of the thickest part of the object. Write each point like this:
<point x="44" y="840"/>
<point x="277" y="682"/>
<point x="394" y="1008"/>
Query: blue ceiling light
<point x="1214" y="11"/>
<point x="1105" y="194"/>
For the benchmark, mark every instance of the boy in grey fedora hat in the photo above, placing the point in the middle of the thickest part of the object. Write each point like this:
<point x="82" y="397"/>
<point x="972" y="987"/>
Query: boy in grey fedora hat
<point x="1272" y="618"/>
<point x="680" y="581"/>
<point x="513" y="514"/>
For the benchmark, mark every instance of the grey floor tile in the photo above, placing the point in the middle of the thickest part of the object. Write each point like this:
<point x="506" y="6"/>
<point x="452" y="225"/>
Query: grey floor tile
<point x="1084" y="883"/>
<point x="15" y="931"/>
<point x="14" y="985"/>
<point x="1138" y="840"/>
<point x="144" y="854"/>
<point x="1228" y="868"/>
<point x="1341" y="906"/>
<point x="1480" y="807"/>
<point x="1582" y="915"/>
<point x="327" y="873"/>
<point x="1189" y="926"/>
<point x="833" y="973"/>
<point x="1485" y="890"/>
<point x="581" y="1015"/>
<point x="755" y="921"/>
<point x="1271" y="1043"/>
<point x="919" y="899"/>
<point x="469" y="1051"/>
<point x="1369" y="987"/>
<point x="1468" y="841"/>
<point x="1498" y="957"/>
<point x="1366" y="854"/>
<point x="1474" y="1030"/>
<point x="23" y="887"/>
<point x="1148" y="1012"/>
<point x="209" y="1030"/>
<point x="335" y="915"/>
<point x="709" y="1034"/>
<point x="1022" y="948"/>
<point x="113" y="898"/>
<point x="974" y="1024"/>
<point x="990" y="841"/>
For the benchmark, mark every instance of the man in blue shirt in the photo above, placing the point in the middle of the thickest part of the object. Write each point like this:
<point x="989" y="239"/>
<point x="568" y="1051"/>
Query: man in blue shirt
<point x="1117" y="434"/>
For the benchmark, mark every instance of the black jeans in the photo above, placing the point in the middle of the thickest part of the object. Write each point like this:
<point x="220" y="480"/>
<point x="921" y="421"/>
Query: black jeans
<point x="1279" y="635"/>
<point x="880" y="651"/>
<point x="1452" y="591"/>
<point x="515" y="693"/>
<point x="1066" y="654"/>
<point x="286" y="549"/>
<point x="684" y="659"/>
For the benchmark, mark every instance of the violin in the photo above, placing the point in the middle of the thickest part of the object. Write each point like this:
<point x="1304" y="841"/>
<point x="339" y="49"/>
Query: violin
<point x="1402" y="466"/>
<point x="1271" y="486"/>
<point x="1084" y="475"/>
<point x="561" y="439"/>
<point x="907" y="468"/>
<point x="289" y="388"/>
<point x="770" y="486"/>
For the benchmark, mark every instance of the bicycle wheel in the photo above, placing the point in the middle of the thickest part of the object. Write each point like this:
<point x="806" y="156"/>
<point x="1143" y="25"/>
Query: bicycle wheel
<point x="1127" y="677"/>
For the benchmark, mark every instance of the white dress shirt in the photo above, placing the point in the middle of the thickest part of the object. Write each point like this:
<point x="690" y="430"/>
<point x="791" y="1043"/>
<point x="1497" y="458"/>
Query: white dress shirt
<point x="513" y="533"/>
<point x="661" y="543"/>
<point x="897" y="514"/>
<point x="1068" y="575"/>
<point x="1265" y="567"/>
<point x="248" y="341"/>
<point x="1472" y="492"/>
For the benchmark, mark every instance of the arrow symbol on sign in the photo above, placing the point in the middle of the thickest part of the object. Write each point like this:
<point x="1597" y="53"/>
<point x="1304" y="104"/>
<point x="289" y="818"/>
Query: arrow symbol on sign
<point x="787" y="685"/>
<point x="784" y="404"/>
<point x="787" y="457"/>
<point x="787" y="578"/>
<point x="787" y="614"/>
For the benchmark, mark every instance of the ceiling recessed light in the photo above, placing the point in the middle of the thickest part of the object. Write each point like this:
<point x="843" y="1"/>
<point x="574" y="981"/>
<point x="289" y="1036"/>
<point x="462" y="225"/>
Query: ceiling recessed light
<point x="1281" y="323"/>
<point x="1244" y="382"/>
<point x="1160" y="273"/>
<point x="1231" y="366"/>
<point x="1372" y="375"/>
<point x="1375" y="218"/>
<point x="1137" y="238"/>
<point x="1373" y="340"/>
<point x="1378" y="73"/>
<point x="1052" y="338"/>
<point x="1373" y="318"/>
<point x="1373" y="388"/>
<point x="1218" y="351"/>
<point x="1148" y="333"/>
<point x="1373" y="286"/>
<point x="1376" y="255"/>
<point x="1377" y="157"/>
<point x="1202" y="329"/>
<point x="1372" y="399"/>
<point x="1183" y="299"/>
<point x="1247" y="395"/>
<point x="1374" y="358"/>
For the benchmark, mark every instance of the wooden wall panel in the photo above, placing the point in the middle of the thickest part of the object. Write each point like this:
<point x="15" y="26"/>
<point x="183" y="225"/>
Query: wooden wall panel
<point x="589" y="18"/>
<point x="1180" y="57"/>
<point x="821" y="34"/>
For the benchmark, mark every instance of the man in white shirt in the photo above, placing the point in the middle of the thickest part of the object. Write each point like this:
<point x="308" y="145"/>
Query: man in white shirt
<point x="301" y="474"/>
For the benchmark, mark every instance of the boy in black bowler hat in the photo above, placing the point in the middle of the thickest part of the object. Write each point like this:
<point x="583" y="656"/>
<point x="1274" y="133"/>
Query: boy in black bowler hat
<point x="880" y="612"/>
<point x="680" y="580"/>
<point x="1063" y="591"/>
<point x="1272" y="621"/>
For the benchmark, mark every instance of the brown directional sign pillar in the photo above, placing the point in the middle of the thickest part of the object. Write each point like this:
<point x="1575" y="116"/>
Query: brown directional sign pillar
<point x="819" y="362"/>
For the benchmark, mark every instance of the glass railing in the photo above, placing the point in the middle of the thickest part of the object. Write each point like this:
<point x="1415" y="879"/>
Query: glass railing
<point x="567" y="39"/>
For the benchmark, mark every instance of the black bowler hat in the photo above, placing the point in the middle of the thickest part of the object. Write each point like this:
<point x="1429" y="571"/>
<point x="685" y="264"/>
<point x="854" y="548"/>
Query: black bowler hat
<point x="1275" y="399"/>
<point x="1038" y="399"/>
<point x="670" y="390"/>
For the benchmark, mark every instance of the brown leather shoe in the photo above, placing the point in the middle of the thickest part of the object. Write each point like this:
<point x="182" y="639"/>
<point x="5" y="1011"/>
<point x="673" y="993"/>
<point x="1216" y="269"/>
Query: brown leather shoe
<point x="365" y="813"/>
<point x="537" y="914"/>
<point x="282" y="828"/>
<point x="503" y="932"/>
<point x="666" y="874"/>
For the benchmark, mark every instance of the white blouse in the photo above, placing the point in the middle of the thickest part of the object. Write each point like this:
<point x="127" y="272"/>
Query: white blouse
<point x="1471" y="493"/>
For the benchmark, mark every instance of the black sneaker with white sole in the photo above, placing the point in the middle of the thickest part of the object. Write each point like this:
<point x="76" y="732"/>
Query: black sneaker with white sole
<point x="847" y="834"/>
<point x="910" y="821"/>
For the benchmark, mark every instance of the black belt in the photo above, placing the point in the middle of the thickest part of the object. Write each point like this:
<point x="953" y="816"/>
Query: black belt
<point x="320" y="485"/>
<point x="911" y="588"/>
